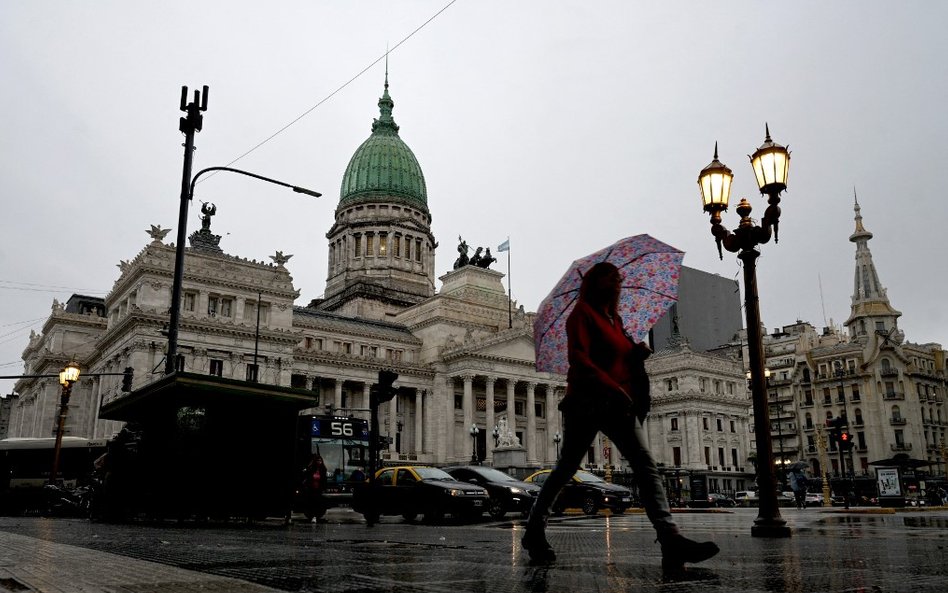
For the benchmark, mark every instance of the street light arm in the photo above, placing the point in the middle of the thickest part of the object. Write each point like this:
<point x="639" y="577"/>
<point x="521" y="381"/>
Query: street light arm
<point x="297" y="189"/>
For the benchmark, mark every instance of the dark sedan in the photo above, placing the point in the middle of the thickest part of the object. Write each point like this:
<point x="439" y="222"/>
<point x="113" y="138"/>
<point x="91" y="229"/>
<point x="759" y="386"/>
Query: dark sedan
<point x="587" y="492"/>
<point x="410" y="491"/>
<point x="507" y="493"/>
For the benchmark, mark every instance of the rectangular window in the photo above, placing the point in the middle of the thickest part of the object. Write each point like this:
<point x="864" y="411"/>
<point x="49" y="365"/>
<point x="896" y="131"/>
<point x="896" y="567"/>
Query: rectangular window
<point x="707" y="455"/>
<point x="720" y="425"/>
<point x="226" y="307"/>
<point x="397" y="245"/>
<point x="252" y="373"/>
<point x="369" y="244"/>
<point x="855" y="392"/>
<point x="190" y="301"/>
<point x="676" y="456"/>
<point x="217" y="368"/>
<point x="358" y="245"/>
<point x="704" y="423"/>
<point x="318" y="343"/>
<point x="840" y="394"/>
<point x="734" y="462"/>
<point x="458" y="401"/>
<point x="407" y="247"/>
<point x="179" y="363"/>
<point x="383" y="244"/>
<point x="212" y="306"/>
<point x="519" y="408"/>
<point x="674" y="423"/>
<point x="538" y="409"/>
<point x="721" y="457"/>
<point x="298" y="381"/>
<point x="808" y="397"/>
<point x="418" y="250"/>
<point x="732" y="428"/>
<point x="827" y="396"/>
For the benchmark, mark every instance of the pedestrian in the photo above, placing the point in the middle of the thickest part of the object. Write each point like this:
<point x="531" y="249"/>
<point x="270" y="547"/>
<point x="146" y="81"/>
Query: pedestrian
<point x="607" y="389"/>
<point x="799" y="484"/>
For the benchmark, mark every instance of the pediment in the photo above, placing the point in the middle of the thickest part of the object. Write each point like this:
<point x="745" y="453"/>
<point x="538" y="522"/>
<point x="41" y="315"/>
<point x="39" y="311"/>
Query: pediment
<point x="515" y="346"/>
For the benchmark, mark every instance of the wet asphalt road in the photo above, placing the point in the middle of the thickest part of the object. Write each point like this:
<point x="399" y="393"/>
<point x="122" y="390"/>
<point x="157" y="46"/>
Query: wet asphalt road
<point x="829" y="551"/>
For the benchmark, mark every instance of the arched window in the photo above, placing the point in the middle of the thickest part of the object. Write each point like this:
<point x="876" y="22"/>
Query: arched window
<point x="857" y="413"/>
<point x="886" y="365"/>
<point x="809" y="420"/>
<point x="896" y="413"/>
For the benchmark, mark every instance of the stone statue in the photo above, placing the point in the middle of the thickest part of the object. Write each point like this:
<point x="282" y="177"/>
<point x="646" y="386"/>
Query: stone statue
<point x="280" y="259"/>
<point x="506" y="437"/>
<point x="485" y="260"/>
<point x="476" y="258"/>
<point x="462" y="259"/>
<point x="208" y="210"/>
<point x="157" y="233"/>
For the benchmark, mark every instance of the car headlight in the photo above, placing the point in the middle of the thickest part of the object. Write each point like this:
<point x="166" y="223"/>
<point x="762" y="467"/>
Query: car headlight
<point x="455" y="492"/>
<point x="515" y="490"/>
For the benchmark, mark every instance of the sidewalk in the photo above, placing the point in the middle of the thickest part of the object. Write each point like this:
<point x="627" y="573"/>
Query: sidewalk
<point x="30" y="564"/>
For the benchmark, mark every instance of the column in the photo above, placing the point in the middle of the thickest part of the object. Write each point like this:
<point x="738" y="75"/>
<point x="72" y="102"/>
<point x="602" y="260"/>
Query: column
<point x="489" y="416"/>
<point x="419" y="408"/>
<point x="366" y="395"/>
<point x="392" y="420"/>
<point x="337" y="397"/>
<point x="511" y="408"/>
<point x="97" y="398"/>
<point x="468" y="402"/>
<point x="552" y="424"/>
<point x="531" y="432"/>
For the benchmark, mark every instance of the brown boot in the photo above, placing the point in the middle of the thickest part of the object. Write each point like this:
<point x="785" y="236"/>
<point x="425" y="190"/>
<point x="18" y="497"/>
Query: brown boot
<point x="678" y="549"/>
<point x="534" y="542"/>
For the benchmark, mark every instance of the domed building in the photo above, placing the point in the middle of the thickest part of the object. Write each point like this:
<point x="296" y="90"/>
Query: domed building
<point x="381" y="250"/>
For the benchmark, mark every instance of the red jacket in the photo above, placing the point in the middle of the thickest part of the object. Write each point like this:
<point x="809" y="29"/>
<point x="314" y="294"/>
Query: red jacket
<point x="601" y="357"/>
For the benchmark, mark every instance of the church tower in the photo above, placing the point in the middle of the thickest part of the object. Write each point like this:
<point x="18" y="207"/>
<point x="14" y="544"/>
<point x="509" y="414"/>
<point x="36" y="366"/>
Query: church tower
<point x="871" y="312"/>
<point x="381" y="250"/>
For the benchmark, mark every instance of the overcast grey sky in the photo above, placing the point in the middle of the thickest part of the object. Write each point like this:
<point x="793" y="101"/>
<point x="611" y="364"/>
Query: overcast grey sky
<point x="565" y="125"/>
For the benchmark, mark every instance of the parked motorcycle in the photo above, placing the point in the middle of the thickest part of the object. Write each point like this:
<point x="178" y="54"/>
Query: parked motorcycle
<point x="60" y="501"/>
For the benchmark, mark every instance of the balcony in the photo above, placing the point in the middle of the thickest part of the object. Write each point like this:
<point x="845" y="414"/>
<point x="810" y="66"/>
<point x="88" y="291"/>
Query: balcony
<point x="897" y="421"/>
<point x="901" y="446"/>
<point x="889" y="373"/>
<point x="891" y="395"/>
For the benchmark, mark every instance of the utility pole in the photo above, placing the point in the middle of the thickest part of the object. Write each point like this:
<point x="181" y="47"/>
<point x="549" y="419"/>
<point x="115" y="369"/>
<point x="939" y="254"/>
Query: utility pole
<point x="188" y="126"/>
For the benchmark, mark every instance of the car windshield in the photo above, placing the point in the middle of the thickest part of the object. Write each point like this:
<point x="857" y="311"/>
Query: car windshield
<point x="493" y="475"/>
<point x="432" y="473"/>
<point x="587" y="477"/>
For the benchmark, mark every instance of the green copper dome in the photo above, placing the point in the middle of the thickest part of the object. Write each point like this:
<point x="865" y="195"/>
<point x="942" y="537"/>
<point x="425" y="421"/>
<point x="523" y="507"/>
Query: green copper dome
<point x="384" y="165"/>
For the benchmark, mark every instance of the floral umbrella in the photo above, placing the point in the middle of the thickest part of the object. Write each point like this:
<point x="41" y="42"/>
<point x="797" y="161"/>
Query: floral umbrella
<point x="650" y="271"/>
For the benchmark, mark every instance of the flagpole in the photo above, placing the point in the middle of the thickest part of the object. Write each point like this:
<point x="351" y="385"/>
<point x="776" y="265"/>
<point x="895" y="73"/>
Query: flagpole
<point x="509" y="291"/>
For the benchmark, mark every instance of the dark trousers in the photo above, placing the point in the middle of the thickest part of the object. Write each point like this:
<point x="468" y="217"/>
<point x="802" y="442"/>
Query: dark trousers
<point x="628" y="435"/>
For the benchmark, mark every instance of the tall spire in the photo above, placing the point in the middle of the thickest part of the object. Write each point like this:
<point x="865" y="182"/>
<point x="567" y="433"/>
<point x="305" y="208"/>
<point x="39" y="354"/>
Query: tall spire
<point x="385" y="124"/>
<point x="870" y="310"/>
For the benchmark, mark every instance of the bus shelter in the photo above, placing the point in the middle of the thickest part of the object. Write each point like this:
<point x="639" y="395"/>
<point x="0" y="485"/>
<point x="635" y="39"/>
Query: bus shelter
<point x="201" y="446"/>
<point x="896" y="478"/>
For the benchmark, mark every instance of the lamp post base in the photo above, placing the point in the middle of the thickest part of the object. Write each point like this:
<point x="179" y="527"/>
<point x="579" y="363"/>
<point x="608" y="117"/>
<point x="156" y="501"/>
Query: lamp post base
<point x="770" y="528"/>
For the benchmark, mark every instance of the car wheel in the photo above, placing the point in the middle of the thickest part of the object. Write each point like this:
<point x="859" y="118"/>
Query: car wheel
<point x="495" y="508"/>
<point x="409" y="516"/>
<point x="371" y="517"/>
<point x="589" y="505"/>
<point x="434" y="515"/>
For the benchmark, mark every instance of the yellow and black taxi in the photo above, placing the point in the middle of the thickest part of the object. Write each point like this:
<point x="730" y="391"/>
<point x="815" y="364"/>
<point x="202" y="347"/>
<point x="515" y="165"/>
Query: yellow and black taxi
<point x="413" y="490"/>
<point x="587" y="492"/>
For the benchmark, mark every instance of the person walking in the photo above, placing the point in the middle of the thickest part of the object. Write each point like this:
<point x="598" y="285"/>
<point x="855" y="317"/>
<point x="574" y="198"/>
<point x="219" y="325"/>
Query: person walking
<point x="799" y="484"/>
<point x="607" y="390"/>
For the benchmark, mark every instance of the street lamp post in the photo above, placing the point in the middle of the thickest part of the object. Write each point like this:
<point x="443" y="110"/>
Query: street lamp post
<point x="474" y="432"/>
<point x="848" y="481"/>
<point x="67" y="377"/>
<point x="189" y="125"/>
<point x="771" y="163"/>
<point x="821" y="443"/>
<point x="557" y="439"/>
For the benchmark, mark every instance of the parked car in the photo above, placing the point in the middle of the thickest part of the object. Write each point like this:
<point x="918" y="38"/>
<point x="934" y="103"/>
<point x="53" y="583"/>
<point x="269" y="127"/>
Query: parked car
<point x="814" y="499"/>
<point x="507" y="493"/>
<point x="587" y="492"/>
<point x="412" y="490"/>
<point x="746" y="498"/>
<point x="719" y="500"/>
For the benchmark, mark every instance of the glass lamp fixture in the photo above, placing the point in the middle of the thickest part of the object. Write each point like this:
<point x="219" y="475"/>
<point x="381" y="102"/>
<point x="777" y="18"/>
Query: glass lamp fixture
<point x="69" y="375"/>
<point x="771" y="163"/>
<point x="715" y="183"/>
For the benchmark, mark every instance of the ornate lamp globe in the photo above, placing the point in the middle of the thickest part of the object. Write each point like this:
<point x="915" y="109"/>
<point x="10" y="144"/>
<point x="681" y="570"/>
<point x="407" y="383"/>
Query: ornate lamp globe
<point x="771" y="163"/>
<point x="715" y="184"/>
<point x="69" y="375"/>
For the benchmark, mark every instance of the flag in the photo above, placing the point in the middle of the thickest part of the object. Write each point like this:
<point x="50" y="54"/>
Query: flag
<point x="505" y="246"/>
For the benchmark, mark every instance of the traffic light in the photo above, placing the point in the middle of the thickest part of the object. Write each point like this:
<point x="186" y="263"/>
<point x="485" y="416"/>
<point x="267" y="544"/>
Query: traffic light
<point x="836" y="429"/>
<point x="386" y="390"/>
<point x="846" y="441"/>
<point x="127" y="377"/>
